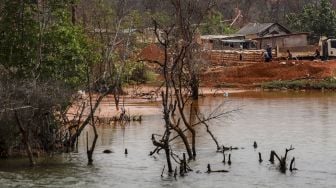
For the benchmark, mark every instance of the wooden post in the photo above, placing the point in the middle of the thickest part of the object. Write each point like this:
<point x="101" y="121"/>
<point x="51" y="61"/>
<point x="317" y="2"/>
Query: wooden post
<point x="184" y="163"/>
<point x="255" y="145"/>
<point x="272" y="157"/>
<point x="291" y="168"/>
<point x="182" y="169"/>
<point x="229" y="162"/>
<point x="209" y="168"/>
<point x="260" y="159"/>
<point x="224" y="158"/>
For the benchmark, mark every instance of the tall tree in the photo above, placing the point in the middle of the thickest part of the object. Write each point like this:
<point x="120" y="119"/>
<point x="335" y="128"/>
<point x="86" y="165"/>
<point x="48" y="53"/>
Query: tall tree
<point x="39" y="41"/>
<point x="320" y="19"/>
<point x="214" y="24"/>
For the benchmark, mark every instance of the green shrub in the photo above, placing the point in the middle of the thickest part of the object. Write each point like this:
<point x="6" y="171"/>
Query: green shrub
<point x="327" y="83"/>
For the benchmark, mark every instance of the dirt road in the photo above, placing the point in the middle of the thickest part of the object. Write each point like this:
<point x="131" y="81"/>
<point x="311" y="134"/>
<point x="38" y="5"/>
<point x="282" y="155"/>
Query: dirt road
<point x="254" y="74"/>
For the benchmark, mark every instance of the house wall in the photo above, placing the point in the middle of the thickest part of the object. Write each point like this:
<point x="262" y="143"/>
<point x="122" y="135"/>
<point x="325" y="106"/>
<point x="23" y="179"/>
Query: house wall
<point x="297" y="40"/>
<point x="283" y="42"/>
<point x="252" y="36"/>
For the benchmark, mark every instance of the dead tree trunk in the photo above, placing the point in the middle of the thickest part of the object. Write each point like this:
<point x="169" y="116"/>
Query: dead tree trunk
<point x="73" y="12"/>
<point x="87" y="120"/>
<point x="25" y="139"/>
<point x="91" y="150"/>
<point x="164" y="146"/>
<point x="194" y="86"/>
<point x="167" y="152"/>
<point x="194" y="110"/>
<point x="282" y="160"/>
<point x="184" y="139"/>
<point x="116" y="96"/>
<point x="180" y="105"/>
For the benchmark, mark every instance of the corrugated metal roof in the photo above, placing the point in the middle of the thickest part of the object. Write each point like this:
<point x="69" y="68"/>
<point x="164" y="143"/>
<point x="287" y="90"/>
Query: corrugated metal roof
<point x="236" y="41"/>
<point x="209" y="37"/>
<point x="254" y="28"/>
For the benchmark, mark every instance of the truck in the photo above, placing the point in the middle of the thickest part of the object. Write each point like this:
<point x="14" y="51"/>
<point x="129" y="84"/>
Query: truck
<point x="327" y="48"/>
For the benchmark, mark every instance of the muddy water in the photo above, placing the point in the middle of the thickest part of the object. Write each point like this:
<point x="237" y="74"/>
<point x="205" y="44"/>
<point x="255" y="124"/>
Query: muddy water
<point x="275" y="120"/>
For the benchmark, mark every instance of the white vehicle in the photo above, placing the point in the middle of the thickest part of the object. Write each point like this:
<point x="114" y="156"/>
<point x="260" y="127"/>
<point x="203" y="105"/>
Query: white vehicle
<point x="328" y="48"/>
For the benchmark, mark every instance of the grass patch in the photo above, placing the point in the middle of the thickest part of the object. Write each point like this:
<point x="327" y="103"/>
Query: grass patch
<point x="225" y="85"/>
<point x="327" y="83"/>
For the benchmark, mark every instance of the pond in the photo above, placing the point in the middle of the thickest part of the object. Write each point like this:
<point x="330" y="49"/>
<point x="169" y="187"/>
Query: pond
<point x="276" y="120"/>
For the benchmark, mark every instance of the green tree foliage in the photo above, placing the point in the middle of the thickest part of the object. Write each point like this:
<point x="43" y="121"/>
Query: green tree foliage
<point x="38" y="41"/>
<point x="319" y="19"/>
<point x="214" y="24"/>
<point x="18" y="37"/>
<point x="43" y="57"/>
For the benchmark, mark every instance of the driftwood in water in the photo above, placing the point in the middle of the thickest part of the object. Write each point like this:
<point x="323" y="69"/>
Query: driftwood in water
<point x="119" y="118"/>
<point x="223" y="149"/>
<point x="212" y="171"/>
<point x="282" y="160"/>
<point x="184" y="168"/>
<point x="107" y="151"/>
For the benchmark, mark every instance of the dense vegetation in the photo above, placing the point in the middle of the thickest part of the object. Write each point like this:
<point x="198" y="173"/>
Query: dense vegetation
<point x="45" y="57"/>
<point x="319" y="19"/>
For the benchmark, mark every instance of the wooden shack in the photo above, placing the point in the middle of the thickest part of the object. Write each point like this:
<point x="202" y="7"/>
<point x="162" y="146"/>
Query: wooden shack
<point x="273" y="35"/>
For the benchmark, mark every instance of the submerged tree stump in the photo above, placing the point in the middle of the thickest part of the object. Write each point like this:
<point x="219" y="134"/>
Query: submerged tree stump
<point x="260" y="159"/>
<point x="272" y="157"/>
<point x="255" y="145"/>
<point x="291" y="167"/>
<point x="229" y="161"/>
